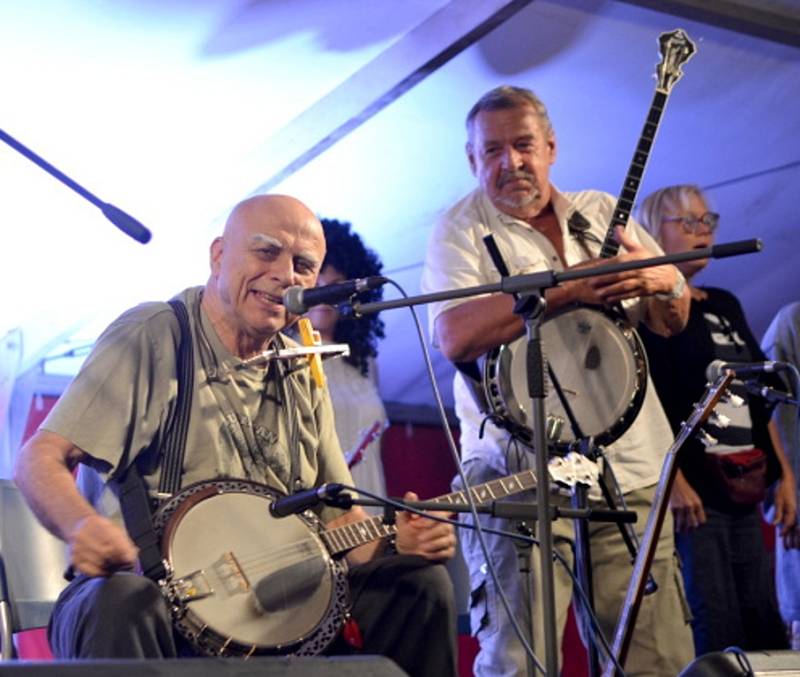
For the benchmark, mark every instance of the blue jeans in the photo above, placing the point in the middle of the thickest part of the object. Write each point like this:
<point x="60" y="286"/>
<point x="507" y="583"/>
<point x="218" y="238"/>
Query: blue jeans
<point x="728" y="580"/>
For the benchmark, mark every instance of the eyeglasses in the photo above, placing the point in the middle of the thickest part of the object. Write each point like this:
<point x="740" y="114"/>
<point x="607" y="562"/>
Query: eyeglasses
<point x="691" y="224"/>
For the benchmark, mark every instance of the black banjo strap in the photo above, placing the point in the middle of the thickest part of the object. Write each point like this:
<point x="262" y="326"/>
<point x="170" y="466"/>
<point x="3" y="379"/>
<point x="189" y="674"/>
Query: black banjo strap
<point x="471" y="370"/>
<point x="133" y="497"/>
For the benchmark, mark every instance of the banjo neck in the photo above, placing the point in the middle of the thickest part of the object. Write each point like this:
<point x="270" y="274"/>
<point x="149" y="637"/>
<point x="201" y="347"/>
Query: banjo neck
<point x="676" y="49"/>
<point x="566" y="471"/>
<point x="633" y="178"/>
<point x="346" y="537"/>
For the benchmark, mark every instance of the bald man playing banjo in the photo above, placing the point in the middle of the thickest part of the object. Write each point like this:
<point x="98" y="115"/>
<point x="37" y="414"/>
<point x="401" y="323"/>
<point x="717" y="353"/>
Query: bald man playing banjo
<point x="256" y="429"/>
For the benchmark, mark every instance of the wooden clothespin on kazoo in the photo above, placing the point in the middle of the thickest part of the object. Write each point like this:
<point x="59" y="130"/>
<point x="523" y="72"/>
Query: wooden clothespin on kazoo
<point x="310" y="337"/>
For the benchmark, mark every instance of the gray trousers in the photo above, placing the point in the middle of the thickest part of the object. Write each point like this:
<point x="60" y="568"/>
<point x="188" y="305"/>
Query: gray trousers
<point x="403" y="604"/>
<point x="662" y="642"/>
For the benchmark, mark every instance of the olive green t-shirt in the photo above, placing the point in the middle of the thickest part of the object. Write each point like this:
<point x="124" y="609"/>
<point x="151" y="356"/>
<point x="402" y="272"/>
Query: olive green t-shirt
<point x="242" y="422"/>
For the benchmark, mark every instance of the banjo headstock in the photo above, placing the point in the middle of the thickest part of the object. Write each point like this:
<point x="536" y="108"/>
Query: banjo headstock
<point x="676" y="49"/>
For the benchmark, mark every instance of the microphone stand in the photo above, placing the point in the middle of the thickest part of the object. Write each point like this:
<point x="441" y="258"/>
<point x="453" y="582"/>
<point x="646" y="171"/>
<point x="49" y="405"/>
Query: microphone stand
<point x="125" y="222"/>
<point x="532" y="287"/>
<point x="770" y="394"/>
<point x="583" y="558"/>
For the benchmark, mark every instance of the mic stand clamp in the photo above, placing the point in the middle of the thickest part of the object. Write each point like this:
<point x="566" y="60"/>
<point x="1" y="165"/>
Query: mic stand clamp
<point x="389" y="514"/>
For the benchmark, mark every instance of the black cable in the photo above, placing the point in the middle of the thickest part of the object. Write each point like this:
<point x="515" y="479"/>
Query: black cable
<point x="470" y="500"/>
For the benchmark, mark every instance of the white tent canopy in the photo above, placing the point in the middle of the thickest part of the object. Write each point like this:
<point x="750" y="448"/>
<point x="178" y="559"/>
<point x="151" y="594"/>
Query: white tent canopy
<point x="174" y="111"/>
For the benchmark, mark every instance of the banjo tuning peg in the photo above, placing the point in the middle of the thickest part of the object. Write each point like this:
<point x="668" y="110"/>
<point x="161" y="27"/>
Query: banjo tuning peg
<point x="734" y="400"/>
<point x="706" y="439"/>
<point x="719" y="420"/>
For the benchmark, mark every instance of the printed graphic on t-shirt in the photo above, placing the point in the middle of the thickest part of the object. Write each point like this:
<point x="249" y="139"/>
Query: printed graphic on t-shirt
<point x="258" y="449"/>
<point x="729" y="347"/>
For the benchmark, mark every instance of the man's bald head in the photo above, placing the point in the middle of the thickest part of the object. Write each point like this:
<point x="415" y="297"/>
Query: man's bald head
<point x="269" y="243"/>
<point x="271" y="209"/>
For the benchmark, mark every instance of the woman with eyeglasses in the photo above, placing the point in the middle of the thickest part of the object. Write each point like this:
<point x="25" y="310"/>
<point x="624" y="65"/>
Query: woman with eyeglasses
<point x="717" y="494"/>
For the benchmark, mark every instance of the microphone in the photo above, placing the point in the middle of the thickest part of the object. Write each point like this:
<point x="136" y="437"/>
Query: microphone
<point x="299" y="299"/>
<point x="126" y="223"/>
<point x="301" y="501"/>
<point x="716" y="368"/>
<point x="122" y="220"/>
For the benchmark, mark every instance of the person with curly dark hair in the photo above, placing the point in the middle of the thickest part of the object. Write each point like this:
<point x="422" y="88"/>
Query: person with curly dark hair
<point x="349" y="258"/>
<point x="353" y="380"/>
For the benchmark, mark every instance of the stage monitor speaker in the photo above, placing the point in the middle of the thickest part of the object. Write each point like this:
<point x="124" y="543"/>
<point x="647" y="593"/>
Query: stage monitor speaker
<point x="736" y="663"/>
<point x="318" y="666"/>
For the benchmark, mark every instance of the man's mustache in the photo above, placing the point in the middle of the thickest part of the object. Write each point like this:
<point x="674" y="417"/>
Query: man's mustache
<point x="507" y="177"/>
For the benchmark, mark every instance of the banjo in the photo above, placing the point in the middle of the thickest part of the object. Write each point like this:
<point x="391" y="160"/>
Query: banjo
<point x="242" y="582"/>
<point x="597" y="358"/>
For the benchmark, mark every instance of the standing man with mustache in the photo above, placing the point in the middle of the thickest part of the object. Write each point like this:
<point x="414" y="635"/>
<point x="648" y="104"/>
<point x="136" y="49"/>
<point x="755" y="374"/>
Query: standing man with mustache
<point x="510" y="148"/>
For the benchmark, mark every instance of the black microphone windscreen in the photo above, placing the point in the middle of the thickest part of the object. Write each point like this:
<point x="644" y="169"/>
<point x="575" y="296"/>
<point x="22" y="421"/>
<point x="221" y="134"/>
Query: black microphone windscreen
<point x="714" y="370"/>
<point x="126" y="223"/>
<point x="721" y="251"/>
<point x="293" y="300"/>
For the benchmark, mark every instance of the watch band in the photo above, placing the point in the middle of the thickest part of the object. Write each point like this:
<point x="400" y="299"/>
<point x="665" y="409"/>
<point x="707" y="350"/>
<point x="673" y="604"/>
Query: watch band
<point x="676" y="292"/>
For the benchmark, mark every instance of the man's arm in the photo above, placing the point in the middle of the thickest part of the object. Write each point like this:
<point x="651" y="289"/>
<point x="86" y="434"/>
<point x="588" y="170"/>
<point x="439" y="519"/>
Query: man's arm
<point x="43" y="473"/>
<point x="474" y="327"/>
<point x="663" y="316"/>
<point x="786" y="490"/>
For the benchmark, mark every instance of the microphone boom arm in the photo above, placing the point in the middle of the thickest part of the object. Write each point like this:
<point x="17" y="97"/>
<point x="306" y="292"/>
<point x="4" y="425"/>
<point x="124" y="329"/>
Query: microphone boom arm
<point x="521" y="284"/>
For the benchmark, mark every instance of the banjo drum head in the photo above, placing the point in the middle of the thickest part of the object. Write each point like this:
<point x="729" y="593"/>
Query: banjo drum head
<point x="599" y="363"/>
<point x="256" y="580"/>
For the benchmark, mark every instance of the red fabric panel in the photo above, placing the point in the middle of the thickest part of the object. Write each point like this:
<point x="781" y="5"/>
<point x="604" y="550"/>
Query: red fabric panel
<point x="416" y="458"/>
<point x="36" y="415"/>
<point x="32" y="645"/>
<point x="467" y="650"/>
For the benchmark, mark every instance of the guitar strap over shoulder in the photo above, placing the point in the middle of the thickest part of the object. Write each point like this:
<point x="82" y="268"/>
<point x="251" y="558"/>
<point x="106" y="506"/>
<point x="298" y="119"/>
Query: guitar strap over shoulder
<point x="173" y="448"/>
<point x="133" y="497"/>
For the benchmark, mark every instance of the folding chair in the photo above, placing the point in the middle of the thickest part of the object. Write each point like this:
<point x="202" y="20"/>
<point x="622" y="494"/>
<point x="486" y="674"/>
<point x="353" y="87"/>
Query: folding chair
<point x="32" y="564"/>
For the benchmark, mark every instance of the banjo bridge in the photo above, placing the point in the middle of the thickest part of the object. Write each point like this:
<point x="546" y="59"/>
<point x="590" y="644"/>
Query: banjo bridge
<point x="230" y="574"/>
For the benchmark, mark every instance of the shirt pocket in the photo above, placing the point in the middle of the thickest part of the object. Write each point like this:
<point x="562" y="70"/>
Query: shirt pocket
<point x="480" y="617"/>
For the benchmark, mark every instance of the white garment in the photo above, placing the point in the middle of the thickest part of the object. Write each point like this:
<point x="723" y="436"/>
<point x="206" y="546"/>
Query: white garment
<point x="457" y="258"/>
<point x="781" y="342"/>
<point x="357" y="405"/>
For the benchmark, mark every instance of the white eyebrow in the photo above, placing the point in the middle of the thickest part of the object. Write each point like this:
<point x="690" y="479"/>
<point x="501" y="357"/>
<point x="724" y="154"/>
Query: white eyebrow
<point x="309" y="257"/>
<point x="261" y="238"/>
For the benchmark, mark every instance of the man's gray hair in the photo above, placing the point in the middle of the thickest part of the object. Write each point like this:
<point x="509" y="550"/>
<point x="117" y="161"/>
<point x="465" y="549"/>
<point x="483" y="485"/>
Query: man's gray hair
<point x="507" y="97"/>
